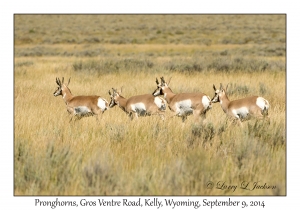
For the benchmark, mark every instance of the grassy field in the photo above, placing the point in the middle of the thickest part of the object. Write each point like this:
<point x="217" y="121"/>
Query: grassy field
<point x="148" y="156"/>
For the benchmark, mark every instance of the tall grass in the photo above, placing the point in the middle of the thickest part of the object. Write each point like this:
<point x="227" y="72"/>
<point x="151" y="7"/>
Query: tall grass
<point x="147" y="156"/>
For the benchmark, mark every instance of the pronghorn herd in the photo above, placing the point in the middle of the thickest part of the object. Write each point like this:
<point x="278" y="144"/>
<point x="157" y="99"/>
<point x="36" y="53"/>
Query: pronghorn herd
<point x="182" y="104"/>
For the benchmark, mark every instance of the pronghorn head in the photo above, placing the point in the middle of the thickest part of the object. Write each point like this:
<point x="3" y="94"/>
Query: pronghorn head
<point x="61" y="86"/>
<point x="219" y="93"/>
<point x="114" y="96"/>
<point x="160" y="86"/>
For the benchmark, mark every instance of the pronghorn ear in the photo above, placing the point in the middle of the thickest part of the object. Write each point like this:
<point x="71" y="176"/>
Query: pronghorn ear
<point x="214" y="87"/>
<point x="69" y="81"/>
<point x="121" y="90"/>
<point x="62" y="81"/>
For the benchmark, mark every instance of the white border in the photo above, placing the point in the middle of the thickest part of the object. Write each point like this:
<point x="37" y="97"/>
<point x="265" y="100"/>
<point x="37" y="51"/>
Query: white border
<point x="9" y="8"/>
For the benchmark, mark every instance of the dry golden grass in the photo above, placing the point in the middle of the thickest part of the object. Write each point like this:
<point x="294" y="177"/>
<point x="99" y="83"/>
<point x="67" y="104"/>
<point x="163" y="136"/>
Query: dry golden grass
<point x="144" y="156"/>
<point x="147" y="156"/>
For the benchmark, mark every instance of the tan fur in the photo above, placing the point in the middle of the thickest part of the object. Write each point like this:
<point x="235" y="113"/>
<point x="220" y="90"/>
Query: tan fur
<point x="73" y="102"/>
<point x="125" y="104"/>
<point x="231" y="108"/>
<point x="197" y="107"/>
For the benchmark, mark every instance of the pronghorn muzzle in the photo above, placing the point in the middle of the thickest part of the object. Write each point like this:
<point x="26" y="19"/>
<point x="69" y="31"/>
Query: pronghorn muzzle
<point x="57" y="92"/>
<point x="215" y="99"/>
<point x="157" y="92"/>
<point x="112" y="102"/>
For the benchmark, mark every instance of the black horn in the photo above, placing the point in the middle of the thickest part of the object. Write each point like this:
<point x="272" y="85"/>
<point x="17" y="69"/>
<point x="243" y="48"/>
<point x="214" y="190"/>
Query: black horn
<point x="162" y="80"/>
<point x="58" y="82"/>
<point x="214" y="87"/>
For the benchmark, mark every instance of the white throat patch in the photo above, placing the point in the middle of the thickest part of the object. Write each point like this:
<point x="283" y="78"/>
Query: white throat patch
<point x="160" y="103"/>
<point x="165" y="95"/>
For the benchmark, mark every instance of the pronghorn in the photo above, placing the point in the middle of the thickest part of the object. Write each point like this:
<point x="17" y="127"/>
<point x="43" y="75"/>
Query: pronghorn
<point x="184" y="104"/>
<point x="240" y="109"/>
<point x="80" y="106"/>
<point x="140" y="105"/>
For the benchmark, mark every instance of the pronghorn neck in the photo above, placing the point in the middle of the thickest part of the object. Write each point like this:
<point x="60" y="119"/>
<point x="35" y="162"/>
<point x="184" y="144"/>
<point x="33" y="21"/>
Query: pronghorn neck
<point x="224" y="101"/>
<point x="66" y="94"/>
<point x="122" y="103"/>
<point x="168" y="94"/>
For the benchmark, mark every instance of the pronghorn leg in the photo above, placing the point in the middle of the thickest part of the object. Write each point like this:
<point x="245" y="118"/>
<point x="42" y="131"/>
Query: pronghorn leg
<point x="263" y="115"/>
<point x="162" y="116"/>
<point x="240" y="123"/>
<point x="136" y="115"/>
<point x="202" y="118"/>
<point x="98" y="113"/>
<point x="196" y="114"/>
<point x="74" y="118"/>
<point x="71" y="119"/>
<point x="199" y="116"/>
<point x="238" y="120"/>
<point x="174" y="115"/>
<point x="265" y="112"/>
<point x="130" y="116"/>
<point x="70" y="112"/>
<point x="99" y="117"/>
<point x="235" y="119"/>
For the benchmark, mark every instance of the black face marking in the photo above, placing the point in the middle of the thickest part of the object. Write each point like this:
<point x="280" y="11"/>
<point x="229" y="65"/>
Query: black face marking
<point x="112" y="102"/>
<point x="158" y="91"/>
<point x="216" y="97"/>
<point x="57" y="92"/>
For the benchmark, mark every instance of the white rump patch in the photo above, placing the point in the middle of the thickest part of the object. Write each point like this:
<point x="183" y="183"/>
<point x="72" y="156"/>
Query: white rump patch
<point x="240" y="112"/>
<point x="160" y="103"/>
<point x="101" y="104"/>
<point x="139" y="108"/>
<point x="262" y="103"/>
<point x="184" y="107"/>
<point x="206" y="102"/>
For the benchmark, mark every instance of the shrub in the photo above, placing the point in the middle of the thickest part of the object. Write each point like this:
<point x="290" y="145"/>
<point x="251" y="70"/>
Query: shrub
<point x="272" y="134"/>
<point x="201" y="135"/>
<point x="236" y="89"/>
<point x="111" y="66"/>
